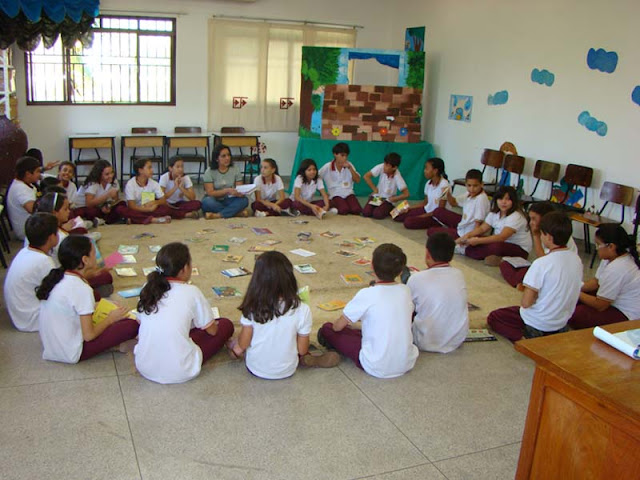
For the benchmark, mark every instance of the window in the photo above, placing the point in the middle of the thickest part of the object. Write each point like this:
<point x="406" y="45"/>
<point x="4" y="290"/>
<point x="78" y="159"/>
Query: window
<point x="255" y="71"/>
<point x="131" y="61"/>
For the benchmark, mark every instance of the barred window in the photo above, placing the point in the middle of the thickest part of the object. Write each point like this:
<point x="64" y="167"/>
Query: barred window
<point x="131" y="61"/>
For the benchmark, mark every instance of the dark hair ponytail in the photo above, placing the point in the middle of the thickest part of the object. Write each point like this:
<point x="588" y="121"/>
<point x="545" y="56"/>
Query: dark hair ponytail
<point x="70" y="254"/>
<point x="613" y="233"/>
<point x="438" y="164"/>
<point x="306" y="163"/>
<point x="170" y="260"/>
<point x="50" y="202"/>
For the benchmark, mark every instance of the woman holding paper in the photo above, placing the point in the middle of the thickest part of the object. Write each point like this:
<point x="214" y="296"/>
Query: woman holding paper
<point x="614" y="294"/>
<point x="221" y="199"/>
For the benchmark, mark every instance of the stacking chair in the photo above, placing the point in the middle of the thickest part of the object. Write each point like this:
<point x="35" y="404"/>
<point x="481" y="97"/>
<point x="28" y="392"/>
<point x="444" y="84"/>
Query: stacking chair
<point x="546" y="171"/>
<point x="610" y="193"/>
<point x="512" y="164"/>
<point x="194" y="155"/>
<point x="148" y="153"/>
<point x="574" y="176"/>
<point x="250" y="161"/>
<point x="490" y="158"/>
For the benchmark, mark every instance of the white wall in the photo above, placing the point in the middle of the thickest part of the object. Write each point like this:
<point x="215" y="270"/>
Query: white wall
<point x="48" y="126"/>
<point x="481" y="47"/>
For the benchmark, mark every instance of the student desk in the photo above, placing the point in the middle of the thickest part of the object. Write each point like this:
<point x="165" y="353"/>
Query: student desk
<point x="95" y="142"/>
<point x="141" y="140"/>
<point x="366" y="155"/>
<point x="584" y="411"/>
<point x="240" y="140"/>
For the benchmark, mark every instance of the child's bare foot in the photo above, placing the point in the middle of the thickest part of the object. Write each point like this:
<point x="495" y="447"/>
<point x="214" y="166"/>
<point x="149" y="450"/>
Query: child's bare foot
<point x="212" y="215"/>
<point x="231" y="343"/>
<point x="165" y="219"/>
<point x="193" y="214"/>
<point x="244" y="213"/>
<point x="324" y="360"/>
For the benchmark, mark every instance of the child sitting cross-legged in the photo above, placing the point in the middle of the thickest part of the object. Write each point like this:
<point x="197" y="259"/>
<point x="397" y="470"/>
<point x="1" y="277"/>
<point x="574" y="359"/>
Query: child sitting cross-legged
<point x="551" y="287"/>
<point x="305" y="185"/>
<point x="390" y="181"/>
<point x="178" y="189"/>
<point x="275" y="323"/>
<point x="440" y="297"/>
<point x="384" y="347"/>
<point x="22" y="193"/>
<point x="270" y="198"/>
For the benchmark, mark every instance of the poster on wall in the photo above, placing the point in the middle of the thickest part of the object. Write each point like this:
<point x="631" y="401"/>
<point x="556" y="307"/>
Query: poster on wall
<point x="460" y="107"/>
<point x="414" y="39"/>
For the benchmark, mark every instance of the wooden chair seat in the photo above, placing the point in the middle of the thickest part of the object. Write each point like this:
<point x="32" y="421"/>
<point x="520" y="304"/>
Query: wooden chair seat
<point x="512" y="164"/>
<point x="490" y="158"/>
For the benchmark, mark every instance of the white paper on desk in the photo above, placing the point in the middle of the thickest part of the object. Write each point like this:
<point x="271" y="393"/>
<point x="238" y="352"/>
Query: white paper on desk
<point x="627" y="342"/>
<point x="246" y="189"/>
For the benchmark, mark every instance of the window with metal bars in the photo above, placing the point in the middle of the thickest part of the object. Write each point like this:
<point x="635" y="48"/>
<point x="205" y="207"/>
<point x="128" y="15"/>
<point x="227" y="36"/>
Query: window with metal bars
<point x="131" y="61"/>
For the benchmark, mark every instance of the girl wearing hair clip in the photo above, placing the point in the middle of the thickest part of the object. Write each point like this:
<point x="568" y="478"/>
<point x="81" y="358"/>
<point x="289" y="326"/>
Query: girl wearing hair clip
<point x="178" y="332"/>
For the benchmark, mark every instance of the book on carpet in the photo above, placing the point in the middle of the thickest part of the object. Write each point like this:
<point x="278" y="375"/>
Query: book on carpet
<point x="195" y="272"/>
<point x="103" y="307"/>
<point x="128" y="249"/>
<point x="155" y="248"/>
<point x="401" y="208"/>
<point x="302" y="252"/>
<point x="236" y="226"/>
<point x="194" y="240"/>
<point x="628" y="342"/>
<point x="329" y="234"/>
<point x="352" y="279"/>
<point x="147" y="197"/>
<point x="235" y="272"/>
<point x="147" y="270"/>
<point x="237" y="240"/>
<point x="345" y="253"/>
<point x="376" y="200"/>
<point x="205" y="231"/>
<point x="112" y="260"/>
<point x="363" y="262"/>
<point x="364" y="240"/>
<point x="261" y="248"/>
<point x="261" y="231"/>
<point x="471" y="307"/>
<point x="479" y="335"/>
<point x="226" y="291"/>
<point x="269" y="243"/>
<point x="332" y="305"/>
<point x="232" y="258"/>
<point x="125" y="272"/>
<point x="215" y="312"/>
<point x="132" y="292"/>
<point x="220" y="248"/>
<point x="304" y="236"/>
<point x="143" y="235"/>
<point x="305" y="268"/>
<point x="517" y="262"/>
<point x="299" y="221"/>
<point x="128" y="259"/>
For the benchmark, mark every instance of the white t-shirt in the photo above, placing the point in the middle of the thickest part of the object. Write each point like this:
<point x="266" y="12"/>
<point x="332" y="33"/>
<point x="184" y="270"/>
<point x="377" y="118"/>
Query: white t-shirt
<point x="53" y="253"/>
<point x="165" y="353"/>
<point x="269" y="191"/>
<point x="619" y="281"/>
<point x="442" y="316"/>
<point x="307" y="190"/>
<point x="60" y="327"/>
<point x="388" y="186"/>
<point x="387" y="343"/>
<point x="517" y="222"/>
<point x="95" y="189"/>
<point x="19" y="194"/>
<point x="433" y="194"/>
<point x="273" y="353"/>
<point x="571" y="246"/>
<point x="72" y="192"/>
<point x="168" y="183"/>
<point x="26" y="272"/>
<point x="557" y="277"/>
<point x="133" y="191"/>
<point x="474" y="209"/>
<point x="338" y="183"/>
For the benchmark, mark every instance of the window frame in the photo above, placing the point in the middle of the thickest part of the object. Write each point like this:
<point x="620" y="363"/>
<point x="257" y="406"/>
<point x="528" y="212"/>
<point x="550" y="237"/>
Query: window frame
<point x="66" y="66"/>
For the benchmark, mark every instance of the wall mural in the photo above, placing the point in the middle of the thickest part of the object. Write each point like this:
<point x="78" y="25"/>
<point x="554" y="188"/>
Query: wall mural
<point x="602" y="60"/>
<point x="498" y="98"/>
<point x="460" y="107"/>
<point x="592" y="124"/>
<point x="543" y="77"/>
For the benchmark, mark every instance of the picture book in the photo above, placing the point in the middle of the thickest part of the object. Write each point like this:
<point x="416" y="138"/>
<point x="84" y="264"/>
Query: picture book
<point x="479" y="335"/>
<point x="128" y="249"/>
<point x="194" y="240"/>
<point x="232" y="258"/>
<point x="237" y="240"/>
<point x="128" y="259"/>
<point x="146" y="197"/>
<point x="376" y="200"/>
<point x="235" y="272"/>
<point x="261" y="248"/>
<point x="235" y="226"/>
<point x="103" y="307"/>
<point x="125" y="272"/>
<point x="299" y="221"/>
<point x="112" y="260"/>
<point x="195" y="272"/>
<point x="205" y="231"/>
<point x="517" y="262"/>
<point x="269" y="243"/>
<point x="352" y="279"/>
<point x="329" y="234"/>
<point x="261" y="231"/>
<point x="143" y="235"/>
<point x="350" y="244"/>
<point x="155" y="248"/>
<point x="226" y="291"/>
<point x="302" y="252"/>
<point x="363" y="262"/>
<point x="364" y="240"/>
<point x="628" y="342"/>
<point x="132" y="292"/>
<point x="220" y="248"/>
<point x="401" y="208"/>
<point x="304" y="236"/>
<point x="345" y="253"/>
<point x="305" y="268"/>
<point x="332" y="305"/>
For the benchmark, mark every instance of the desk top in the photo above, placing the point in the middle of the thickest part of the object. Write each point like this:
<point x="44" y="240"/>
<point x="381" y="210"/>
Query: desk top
<point x="581" y="359"/>
<point x="92" y="135"/>
<point x="245" y="134"/>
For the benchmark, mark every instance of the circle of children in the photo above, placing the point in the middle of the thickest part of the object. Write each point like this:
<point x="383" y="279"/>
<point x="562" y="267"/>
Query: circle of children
<point x="53" y="282"/>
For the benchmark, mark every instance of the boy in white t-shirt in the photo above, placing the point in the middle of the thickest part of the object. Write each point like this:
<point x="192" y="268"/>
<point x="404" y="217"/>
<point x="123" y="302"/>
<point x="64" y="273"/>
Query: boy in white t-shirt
<point x="440" y="298"/>
<point x="178" y="189"/>
<point x="27" y="270"/>
<point x="551" y="287"/>
<point x="384" y="347"/>
<point x="338" y="176"/>
<point x="384" y="195"/>
<point x="21" y="196"/>
<point x="475" y="207"/>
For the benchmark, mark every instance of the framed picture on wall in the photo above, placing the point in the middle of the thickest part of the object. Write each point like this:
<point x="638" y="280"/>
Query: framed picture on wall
<point x="460" y="107"/>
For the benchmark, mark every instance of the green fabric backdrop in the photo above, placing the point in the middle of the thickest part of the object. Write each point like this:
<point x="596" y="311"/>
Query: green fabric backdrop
<point x="366" y="155"/>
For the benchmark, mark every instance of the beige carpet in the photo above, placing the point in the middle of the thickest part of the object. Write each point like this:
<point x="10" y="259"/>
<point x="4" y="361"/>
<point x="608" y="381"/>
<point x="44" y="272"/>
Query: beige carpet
<point x="486" y="288"/>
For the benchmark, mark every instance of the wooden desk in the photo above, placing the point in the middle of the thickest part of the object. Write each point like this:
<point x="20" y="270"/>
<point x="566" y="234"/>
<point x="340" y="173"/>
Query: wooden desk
<point x="583" y="420"/>
<point x="141" y="140"/>
<point x="93" y="141"/>
<point x="239" y="140"/>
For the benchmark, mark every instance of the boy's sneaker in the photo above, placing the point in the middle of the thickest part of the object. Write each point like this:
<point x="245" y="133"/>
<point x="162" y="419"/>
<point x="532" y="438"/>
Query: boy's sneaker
<point x="324" y="360"/>
<point x="88" y="224"/>
<point x="333" y="211"/>
<point x="260" y="214"/>
<point x="97" y="222"/>
<point x="286" y="212"/>
<point x="460" y="249"/>
<point x="493" y="260"/>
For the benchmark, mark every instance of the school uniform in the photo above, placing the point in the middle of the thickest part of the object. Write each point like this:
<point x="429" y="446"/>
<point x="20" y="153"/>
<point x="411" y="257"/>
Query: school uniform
<point x="18" y="196"/>
<point x="307" y="192"/>
<point x="97" y="190"/>
<point x="388" y="186"/>
<point x="442" y="315"/>
<point x="339" y="185"/>
<point x="172" y="343"/>
<point x="133" y="192"/>
<point x="269" y="191"/>
<point x="72" y="191"/>
<point x="25" y="274"/>
<point x="273" y="353"/>
<point x="433" y="193"/>
<point x="384" y="347"/>
<point x="177" y="198"/>
<point x="557" y="277"/>
<point x="619" y="283"/>
<point x="60" y="327"/>
<point x="474" y="209"/>
<point x="517" y="245"/>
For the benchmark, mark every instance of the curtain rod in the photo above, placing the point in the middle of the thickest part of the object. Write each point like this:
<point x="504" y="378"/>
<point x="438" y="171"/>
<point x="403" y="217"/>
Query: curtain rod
<point x="284" y="20"/>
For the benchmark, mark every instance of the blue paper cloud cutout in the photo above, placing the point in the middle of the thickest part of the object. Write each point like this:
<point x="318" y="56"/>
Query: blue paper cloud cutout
<point x="543" y="77"/>
<point x="635" y="95"/>
<point x="602" y="60"/>
<point x="499" y="98"/>
<point x="592" y="124"/>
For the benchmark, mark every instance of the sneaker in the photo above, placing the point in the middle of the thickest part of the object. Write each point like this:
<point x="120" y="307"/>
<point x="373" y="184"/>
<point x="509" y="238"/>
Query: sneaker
<point x="333" y="211"/>
<point x="459" y="250"/>
<point x="294" y="212"/>
<point x="97" y="222"/>
<point x="88" y="224"/>
<point x="285" y="212"/>
<point x="324" y="360"/>
<point x="260" y="214"/>
<point x="95" y="236"/>
<point x="492" y="260"/>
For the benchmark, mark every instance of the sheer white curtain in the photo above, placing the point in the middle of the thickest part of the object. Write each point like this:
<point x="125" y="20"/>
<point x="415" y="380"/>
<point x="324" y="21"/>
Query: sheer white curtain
<point x="259" y="63"/>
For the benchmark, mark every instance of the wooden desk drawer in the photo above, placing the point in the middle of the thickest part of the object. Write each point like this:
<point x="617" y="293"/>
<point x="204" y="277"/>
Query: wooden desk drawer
<point x="136" y="142"/>
<point x="91" y="142"/>
<point x="240" y="141"/>
<point x="188" y="142"/>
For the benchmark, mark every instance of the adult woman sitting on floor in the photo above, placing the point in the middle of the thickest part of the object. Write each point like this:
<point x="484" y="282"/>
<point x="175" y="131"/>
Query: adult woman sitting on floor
<point x="221" y="199"/>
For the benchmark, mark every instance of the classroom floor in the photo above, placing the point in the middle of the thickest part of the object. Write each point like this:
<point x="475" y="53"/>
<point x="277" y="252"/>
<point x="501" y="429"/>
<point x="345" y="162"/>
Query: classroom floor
<point x="454" y="416"/>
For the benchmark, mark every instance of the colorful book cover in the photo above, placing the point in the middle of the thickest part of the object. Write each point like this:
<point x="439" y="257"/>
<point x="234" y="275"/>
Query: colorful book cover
<point x="147" y="197"/>
<point x="236" y="272"/>
<point x="479" y="335"/>
<point x="155" y="248"/>
<point x="103" y="308"/>
<point x="329" y="234"/>
<point x="261" y="248"/>
<point x="226" y="291"/>
<point x="128" y="259"/>
<point x="332" y="305"/>
<point x="128" y="249"/>
<point x="237" y="240"/>
<point x="402" y="207"/>
<point x="232" y="258"/>
<point x="352" y="279"/>
<point x="132" y="292"/>
<point x="345" y="253"/>
<point x="363" y="262"/>
<point x="269" y="243"/>
<point x="126" y="272"/>
<point x="261" y="231"/>
<point x="376" y="200"/>
<point x="220" y="248"/>
<point x="305" y="268"/>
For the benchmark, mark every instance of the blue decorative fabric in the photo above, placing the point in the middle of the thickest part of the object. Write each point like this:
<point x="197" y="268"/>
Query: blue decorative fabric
<point x="56" y="10"/>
